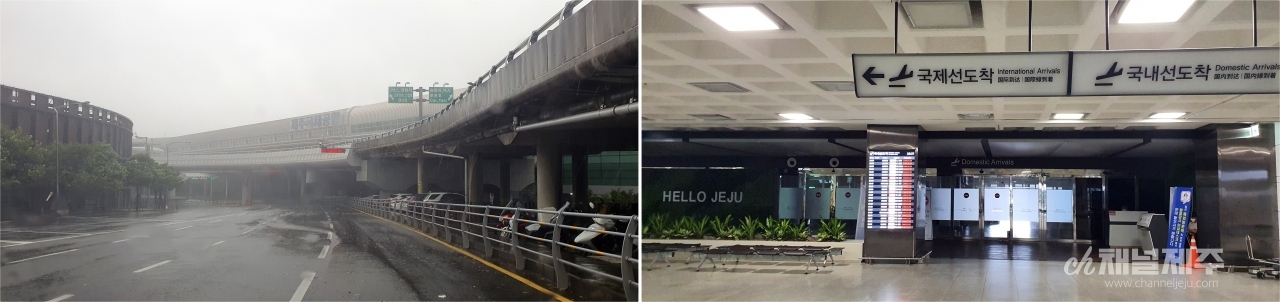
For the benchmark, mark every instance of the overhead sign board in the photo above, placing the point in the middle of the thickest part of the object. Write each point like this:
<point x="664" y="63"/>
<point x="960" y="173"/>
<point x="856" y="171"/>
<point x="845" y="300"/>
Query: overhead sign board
<point x="440" y="95"/>
<point x="1073" y="73"/>
<point x="332" y="118"/>
<point x="961" y="75"/>
<point x="1189" y="71"/>
<point x="400" y="95"/>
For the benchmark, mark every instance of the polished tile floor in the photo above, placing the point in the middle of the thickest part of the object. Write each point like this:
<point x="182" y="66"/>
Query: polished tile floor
<point x="939" y="280"/>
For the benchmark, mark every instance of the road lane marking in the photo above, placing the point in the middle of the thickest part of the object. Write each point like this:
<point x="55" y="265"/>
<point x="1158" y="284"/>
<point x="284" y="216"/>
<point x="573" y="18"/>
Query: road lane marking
<point x="152" y="266"/>
<point x="180" y="222"/>
<point x="247" y="231"/>
<point x="63" y="233"/>
<point x="215" y="221"/>
<point x="17" y="242"/>
<point x="330" y="236"/>
<point x="45" y="255"/>
<point x="179" y="229"/>
<point x="67" y="237"/>
<point x="324" y="252"/>
<point x="217" y="243"/>
<point x="535" y="286"/>
<point x="62" y="297"/>
<point x="126" y="239"/>
<point x="302" y="288"/>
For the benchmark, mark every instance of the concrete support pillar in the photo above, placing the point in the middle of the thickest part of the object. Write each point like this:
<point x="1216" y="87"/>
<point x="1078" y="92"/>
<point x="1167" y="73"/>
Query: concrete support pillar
<point x="245" y="190"/>
<point x="422" y="174"/>
<point x="548" y="171"/>
<point x="1235" y="193"/>
<point x="581" y="188"/>
<point x="504" y="181"/>
<point x="302" y="187"/>
<point x="475" y="180"/>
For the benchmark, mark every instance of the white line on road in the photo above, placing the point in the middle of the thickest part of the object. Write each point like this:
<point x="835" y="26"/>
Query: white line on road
<point x="302" y="288"/>
<point x="18" y="242"/>
<point x="217" y="243"/>
<point x="178" y="222"/>
<point x="126" y="239"/>
<point x="62" y="297"/>
<point x="324" y="252"/>
<point x="152" y="266"/>
<point x="330" y="235"/>
<point x="45" y="255"/>
<point x="63" y="233"/>
<point x="246" y="231"/>
<point x="179" y="229"/>
<point x="215" y="221"/>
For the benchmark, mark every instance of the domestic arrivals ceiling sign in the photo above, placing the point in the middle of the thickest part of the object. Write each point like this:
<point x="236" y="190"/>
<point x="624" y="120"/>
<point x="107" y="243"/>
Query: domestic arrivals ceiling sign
<point x="1073" y="73"/>
<point x="1193" y="71"/>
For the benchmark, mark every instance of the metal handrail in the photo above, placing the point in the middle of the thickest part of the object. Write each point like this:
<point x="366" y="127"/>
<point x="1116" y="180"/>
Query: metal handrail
<point x="441" y="218"/>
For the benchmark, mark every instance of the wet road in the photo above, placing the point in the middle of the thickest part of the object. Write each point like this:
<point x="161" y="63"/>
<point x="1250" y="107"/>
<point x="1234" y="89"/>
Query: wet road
<point x="277" y="252"/>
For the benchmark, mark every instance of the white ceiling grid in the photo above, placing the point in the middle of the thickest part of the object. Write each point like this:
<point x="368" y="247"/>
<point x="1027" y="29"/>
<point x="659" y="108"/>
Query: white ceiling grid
<point x="778" y="67"/>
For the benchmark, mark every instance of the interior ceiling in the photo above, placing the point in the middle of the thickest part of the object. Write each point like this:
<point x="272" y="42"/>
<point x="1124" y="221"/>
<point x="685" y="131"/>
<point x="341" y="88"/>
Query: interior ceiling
<point x="1074" y="148"/>
<point x="778" y="67"/>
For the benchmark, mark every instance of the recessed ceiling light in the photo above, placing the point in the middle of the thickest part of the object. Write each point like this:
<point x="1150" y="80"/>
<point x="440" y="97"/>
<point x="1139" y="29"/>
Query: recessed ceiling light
<point x="1167" y="115"/>
<point x="939" y="14"/>
<point x="1154" y="11"/>
<point x="712" y="117"/>
<point x="796" y="116"/>
<point x="834" y="85"/>
<point x="1068" y="116"/>
<point x="976" y="116"/>
<point x="739" y="17"/>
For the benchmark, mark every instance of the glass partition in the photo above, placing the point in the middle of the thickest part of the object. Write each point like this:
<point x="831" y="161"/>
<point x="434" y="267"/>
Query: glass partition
<point x="1059" y="214"/>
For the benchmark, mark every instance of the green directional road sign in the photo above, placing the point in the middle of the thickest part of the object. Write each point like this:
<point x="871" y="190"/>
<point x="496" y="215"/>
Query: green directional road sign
<point x="400" y="95"/>
<point x="440" y="95"/>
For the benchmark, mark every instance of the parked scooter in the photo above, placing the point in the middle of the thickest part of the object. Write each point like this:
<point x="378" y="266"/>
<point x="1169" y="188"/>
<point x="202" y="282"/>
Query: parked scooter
<point x="593" y="240"/>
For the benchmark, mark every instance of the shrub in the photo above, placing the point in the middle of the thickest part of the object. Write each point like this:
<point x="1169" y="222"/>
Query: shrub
<point x="720" y="228"/>
<point x="831" y="230"/>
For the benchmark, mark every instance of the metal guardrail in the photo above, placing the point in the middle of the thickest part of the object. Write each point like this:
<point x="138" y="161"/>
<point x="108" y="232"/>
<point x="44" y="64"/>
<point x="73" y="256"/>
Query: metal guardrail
<point x="447" y="220"/>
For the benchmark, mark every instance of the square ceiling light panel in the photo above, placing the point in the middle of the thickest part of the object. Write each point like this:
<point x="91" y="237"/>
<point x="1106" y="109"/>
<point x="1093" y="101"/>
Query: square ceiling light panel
<point x="1167" y="115"/>
<point x="741" y="17"/>
<point x="1068" y="116"/>
<point x="796" y="116"/>
<point x="1154" y="11"/>
<point x="720" y="87"/>
<point x="939" y="13"/>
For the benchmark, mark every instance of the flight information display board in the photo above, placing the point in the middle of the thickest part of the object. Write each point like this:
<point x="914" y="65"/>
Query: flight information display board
<point x="891" y="189"/>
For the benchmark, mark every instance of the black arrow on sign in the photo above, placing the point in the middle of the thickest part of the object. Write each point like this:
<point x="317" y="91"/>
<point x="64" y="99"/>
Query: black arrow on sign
<point x="868" y="75"/>
<point x="1110" y="74"/>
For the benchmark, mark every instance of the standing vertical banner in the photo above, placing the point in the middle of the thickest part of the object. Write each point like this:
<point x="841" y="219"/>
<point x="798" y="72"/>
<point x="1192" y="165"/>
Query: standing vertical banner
<point x="1179" y="217"/>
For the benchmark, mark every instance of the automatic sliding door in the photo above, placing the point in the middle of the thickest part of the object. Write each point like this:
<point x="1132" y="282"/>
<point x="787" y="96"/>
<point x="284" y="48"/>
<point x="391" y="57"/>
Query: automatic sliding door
<point x="996" y="218"/>
<point x="1025" y="208"/>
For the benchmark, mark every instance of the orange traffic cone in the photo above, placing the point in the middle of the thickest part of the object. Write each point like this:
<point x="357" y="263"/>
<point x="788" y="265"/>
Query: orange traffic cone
<point x="1194" y="255"/>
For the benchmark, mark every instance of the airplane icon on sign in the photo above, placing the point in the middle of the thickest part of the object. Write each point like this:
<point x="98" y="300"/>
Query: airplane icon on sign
<point x="1113" y="72"/>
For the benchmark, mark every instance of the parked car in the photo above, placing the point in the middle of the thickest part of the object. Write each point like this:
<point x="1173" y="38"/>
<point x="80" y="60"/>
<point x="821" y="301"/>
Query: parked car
<point x="399" y="201"/>
<point x="445" y="198"/>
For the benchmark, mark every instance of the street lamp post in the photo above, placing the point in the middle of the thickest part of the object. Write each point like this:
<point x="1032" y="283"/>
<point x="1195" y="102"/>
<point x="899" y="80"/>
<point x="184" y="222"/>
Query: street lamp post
<point x="420" y="100"/>
<point x="57" y="154"/>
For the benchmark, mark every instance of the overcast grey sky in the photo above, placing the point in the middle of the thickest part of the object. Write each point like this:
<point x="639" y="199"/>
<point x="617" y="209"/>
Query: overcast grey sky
<point x="181" y="67"/>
